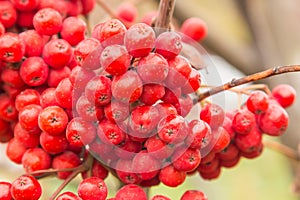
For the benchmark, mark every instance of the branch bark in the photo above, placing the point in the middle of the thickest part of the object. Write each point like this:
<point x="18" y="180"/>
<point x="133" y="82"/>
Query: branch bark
<point x="165" y="14"/>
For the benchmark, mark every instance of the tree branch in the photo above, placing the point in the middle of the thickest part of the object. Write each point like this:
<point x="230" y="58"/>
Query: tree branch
<point x="165" y="14"/>
<point x="247" y="79"/>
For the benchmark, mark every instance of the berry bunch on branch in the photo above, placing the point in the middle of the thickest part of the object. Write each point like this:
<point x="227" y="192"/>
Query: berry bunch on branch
<point x="119" y="100"/>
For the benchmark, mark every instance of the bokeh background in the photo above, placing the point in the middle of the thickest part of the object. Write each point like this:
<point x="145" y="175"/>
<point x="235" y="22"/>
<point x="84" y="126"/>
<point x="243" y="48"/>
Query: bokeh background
<point x="244" y="36"/>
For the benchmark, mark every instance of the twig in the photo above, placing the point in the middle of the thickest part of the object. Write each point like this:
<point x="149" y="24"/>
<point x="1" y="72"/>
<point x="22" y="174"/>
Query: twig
<point x="165" y="14"/>
<point x="107" y="9"/>
<point x="285" y="150"/>
<point x="247" y="79"/>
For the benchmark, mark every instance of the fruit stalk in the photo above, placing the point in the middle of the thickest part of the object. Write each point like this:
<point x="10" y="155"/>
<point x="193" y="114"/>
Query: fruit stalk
<point x="248" y="79"/>
<point x="165" y="14"/>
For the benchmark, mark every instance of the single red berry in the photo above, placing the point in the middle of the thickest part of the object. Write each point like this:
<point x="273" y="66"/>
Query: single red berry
<point x="172" y="177"/>
<point x="64" y="93"/>
<point x="12" y="77"/>
<point x="145" y="165"/>
<point x="98" y="170"/>
<point x="231" y="163"/>
<point x="28" y="5"/>
<point x="53" y="120"/>
<point x="139" y="40"/>
<point x="34" y="71"/>
<point x="28" y="139"/>
<point x="61" y="6"/>
<point x="47" y="21"/>
<point x="27" y="97"/>
<point x="149" y="17"/>
<point x="229" y="153"/>
<point x="56" y="75"/>
<point x="131" y="192"/>
<point x="34" y="43"/>
<point x="53" y="144"/>
<point x="172" y="96"/>
<point x="28" y="117"/>
<point x="68" y="196"/>
<point x="198" y="129"/>
<point x="193" y="84"/>
<point x="284" y="94"/>
<point x="15" y="150"/>
<point x="209" y="166"/>
<point x="186" y="161"/>
<point x="47" y="98"/>
<point x="184" y="105"/>
<point x="195" y="28"/>
<point x="87" y="6"/>
<point x="153" y="68"/>
<point x="253" y="154"/>
<point x="116" y="111"/>
<point x="8" y="16"/>
<point x="165" y="109"/>
<point x="73" y="30"/>
<point x="243" y="121"/>
<point x="159" y="197"/>
<point x="92" y="185"/>
<point x="26" y="187"/>
<point x="193" y="195"/>
<point x="127" y="12"/>
<point x="84" y="51"/>
<point x="128" y="149"/>
<point x="110" y="133"/>
<point x="79" y="77"/>
<point x="112" y="32"/>
<point x="257" y="102"/>
<point x="8" y="111"/>
<point x="227" y="125"/>
<point x="5" y="191"/>
<point x="25" y="19"/>
<point x="221" y="139"/>
<point x="36" y="159"/>
<point x="152" y="93"/>
<point x="98" y="90"/>
<point x="179" y="72"/>
<point x="158" y="148"/>
<point x="67" y="159"/>
<point x="274" y="121"/>
<point x="249" y="142"/>
<point x="125" y="172"/>
<point x="212" y="114"/>
<point x="115" y="59"/>
<point x="127" y="88"/>
<point x="211" y="175"/>
<point x="12" y="48"/>
<point x="168" y="44"/>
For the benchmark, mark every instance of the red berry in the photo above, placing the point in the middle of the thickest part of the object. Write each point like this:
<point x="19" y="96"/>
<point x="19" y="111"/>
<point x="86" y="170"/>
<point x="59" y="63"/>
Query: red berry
<point x="47" y="21"/>
<point x="34" y="71"/>
<point x="28" y="139"/>
<point x="27" y="97"/>
<point x="53" y="144"/>
<point x="47" y="98"/>
<point x="25" y="19"/>
<point x="212" y="114"/>
<point x="243" y="121"/>
<point x="12" y="78"/>
<point x="249" y="142"/>
<point x="84" y="51"/>
<point x="56" y="75"/>
<point x="87" y="6"/>
<point x="98" y="170"/>
<point x="193" y="195"/>
<point x="198" y="129"/>
<point x="139" y="40"/>
<point x="172" y="177"/>
<point x="36" y="159"/>
<point x="15" y="150"/>
<point x="221" y="139"/>
<point x="53" y="120"/>
<point x="149" y="17"/>
<point x="68" y="196"/>
<point x="34" y="43"/>
<point x="5" y="190"/>
<point x="73" y="30"/>
<point x="131" y="192"/>
<point x="112" y="32"/>
<point x="284" y="94"/>
<point x="145" y="166"/>
<point x="184" y="105"/>
<point x="67" y="159"/>
<point x="193" y="84"/>
<point x="92" y="185"/>
<point x="125" y="172"/>
<point x="186" y="161"/>
<point x="152" y="93"/>
<point x="257" y="102"/>
<point x="110" y="133"/>
<point x="116" y="111"/>
<point x="168" y="44"/>
<point x="26" y="187"/>
<point x="195" y="28"/>
<point x="2" y="29"/>
<point x="79" y="78"/>
<point x="209" y="166"/>
<point x="28" y="5"/>
<point x="211" y="175"/>
<point x="127" y="12"/>
<point x="12" y="48"/>
<point x="28" y="117"/>
<point x="8" y="111"/>
<point x="229" y="153"/>
<point x="64" y="93"/>
<point x="8" y="14"/>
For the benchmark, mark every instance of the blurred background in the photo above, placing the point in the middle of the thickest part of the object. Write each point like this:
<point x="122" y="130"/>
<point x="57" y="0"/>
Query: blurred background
<point x="244" y="37"/>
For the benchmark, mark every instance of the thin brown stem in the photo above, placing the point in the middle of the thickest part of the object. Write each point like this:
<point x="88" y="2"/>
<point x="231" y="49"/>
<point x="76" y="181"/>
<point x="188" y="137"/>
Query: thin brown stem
<point x="107" y="8"/>
<point x="165" y="14"/>
<point x="247" y="79"/>
<point x="285" y="150"/>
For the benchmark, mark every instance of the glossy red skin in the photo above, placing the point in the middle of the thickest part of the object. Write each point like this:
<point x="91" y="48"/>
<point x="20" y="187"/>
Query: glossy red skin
<point x="47" y="21"/>
<point x="128" y="150"/>
<point x="4" y="126"/>
<point x="157" y="148"/>
<point x="53" y="144"/>
<point x="212" y="114"/>
<point x="153" y="68"/>
<point x="85" y="109"/>
<point x="168" y="44"/>
<point x="2" y="29"/>
<point x="125" y="172"/>
<point x="103" y="152"/>
<point x="230" y="163"/>
<point x="80" y="132"/>
<point x="179" y="72"/>
<point x="229" y="153"/>
<point x="34" y="71"/>
<point x="112" y="32"/>
<point x="92" y="185"/>
<point x="187" y="161"/>
<point x="85" y="48"/>
<point x="73" y="30"/>
<point x="25" y="19"/>
<point x="165" y="109"/>
<point x="253" y="154"/>
<point x="249" y="142"/>
<point x="47" y="98"/>
<point x="171" y="95"/>
<point x="193" y="84"/>
<point x="143" y="120"/>
<point x="12" y="77"/>
<point x="208" y="157"/>
<point x="79" y="77"/>
<point x="56" y="75"/>
<point x="131" y="192"/>
<point x="8" y="111"/>
<point x="145" y="166"/>
<point x="184" y="105"/>
<point x="139" y="40"/>
<point x="110" y="133"/>
<point x="34" y="43"/>
<point x="12" y="92"/>
<point x="212" y="175"/>
<point x="193" y="195"/>
<point x="98" y="90"/>
<point x="36" y="159"/>
<point x="28" y="117"/>
<point x="172" y="177"/>
<point x="12" y="48"/>
<point x="274" y="121"/>
<point x="64" y="93"/>
<point x="5" y="190"/>
<point x="160" y="197"/>
<point x="221" y="139"/>
<point x="15" y="150"/>
<point x="152" y="93"/>
<point x="195" y="28"/>
<point x="257" y="102"/>
<point x="97" y="171"/>
<point x="172" y="129"/>
<point x="53" y="120"/>
<point x="284" y="94"/>
<point x="87" y="6"/>
<point x="127" y="88"/>
<point x="8" y="15"/>
<point x="28" y="139"/>
<point x="115" y="59"/>
<point x="57" y="53"/>
<point x="26" y="187"/>
<point x="197" y="131"/>
<point x="60" y="5"/>
<point x="227" y="125"/>
<point x="209" y="167"/>
<point x="26" y="5"/>
<point x="127" y="12"/>
<point x="243" y="121"/>
<point x="116" y="111"/>
<point x="67" y="159"/>
<point x="68" y="196"/>
<point x="27" y="97"/>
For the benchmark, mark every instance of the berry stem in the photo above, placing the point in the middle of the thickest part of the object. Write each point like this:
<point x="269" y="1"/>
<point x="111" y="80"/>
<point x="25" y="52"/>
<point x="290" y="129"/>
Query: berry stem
<point x="81" y="168"/>
<point x="247" y="79"/>
<point x="285" y="150"/>
<point x="165" y="14"/>
<point x="107" y="9"/>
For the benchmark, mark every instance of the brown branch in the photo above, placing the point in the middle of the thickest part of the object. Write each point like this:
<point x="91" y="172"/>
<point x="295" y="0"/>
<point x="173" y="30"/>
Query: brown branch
<point x="285" y="150"/>
<point x="165" y="14"/>
<point x="247" y="79"/>
<point x="106" y="8"/>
